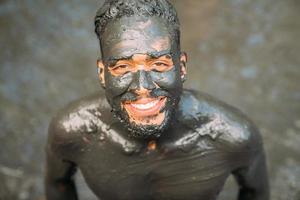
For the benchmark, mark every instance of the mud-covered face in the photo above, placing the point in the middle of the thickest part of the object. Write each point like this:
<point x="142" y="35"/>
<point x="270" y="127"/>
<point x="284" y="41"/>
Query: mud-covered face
<point x="142" y="71"/>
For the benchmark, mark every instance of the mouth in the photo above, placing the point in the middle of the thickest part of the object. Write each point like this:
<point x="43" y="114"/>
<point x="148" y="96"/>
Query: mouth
<point x="145" y="107"/>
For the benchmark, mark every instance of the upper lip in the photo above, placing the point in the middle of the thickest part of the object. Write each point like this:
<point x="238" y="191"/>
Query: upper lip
<point x="144" y="100"/>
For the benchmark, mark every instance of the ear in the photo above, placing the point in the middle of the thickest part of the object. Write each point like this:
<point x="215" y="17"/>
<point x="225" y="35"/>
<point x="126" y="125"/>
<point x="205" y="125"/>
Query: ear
<point x="183" y="68"/>
<point x="100" y="70"/>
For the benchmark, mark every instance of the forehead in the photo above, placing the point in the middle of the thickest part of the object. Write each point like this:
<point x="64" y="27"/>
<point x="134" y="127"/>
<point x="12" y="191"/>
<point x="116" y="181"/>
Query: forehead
<point x="127" y="36"/>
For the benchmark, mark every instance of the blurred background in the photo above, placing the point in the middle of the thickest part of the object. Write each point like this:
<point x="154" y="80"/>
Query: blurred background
<point x="245" y="52"/>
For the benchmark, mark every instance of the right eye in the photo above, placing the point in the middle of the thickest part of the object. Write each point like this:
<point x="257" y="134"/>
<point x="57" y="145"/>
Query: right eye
<point x="120" y="69"/>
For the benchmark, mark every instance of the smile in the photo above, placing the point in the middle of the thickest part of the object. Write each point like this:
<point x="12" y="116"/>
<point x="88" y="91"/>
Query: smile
<point x="145" y="107"/>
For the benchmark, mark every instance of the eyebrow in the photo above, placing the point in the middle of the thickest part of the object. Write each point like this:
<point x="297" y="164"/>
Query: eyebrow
<point x="160" y="54"/>
<point x="116" y="59"/>
<point x="113" y="60"/>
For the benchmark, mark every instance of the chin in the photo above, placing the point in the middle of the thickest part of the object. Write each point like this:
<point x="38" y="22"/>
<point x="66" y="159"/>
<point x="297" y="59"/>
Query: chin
<point x="147" y="127"/>
<point x="148" y="131"/>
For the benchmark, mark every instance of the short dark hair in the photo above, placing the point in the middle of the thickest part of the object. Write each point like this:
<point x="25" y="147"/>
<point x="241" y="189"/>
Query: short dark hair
<point x="114" y="9"/>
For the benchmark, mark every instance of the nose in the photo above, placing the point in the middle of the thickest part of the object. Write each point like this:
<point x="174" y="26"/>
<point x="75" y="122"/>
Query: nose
<point x="142" y="82"/>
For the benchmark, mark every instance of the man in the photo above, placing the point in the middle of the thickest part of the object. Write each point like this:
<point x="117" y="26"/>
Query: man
<point x="146" y="137"/>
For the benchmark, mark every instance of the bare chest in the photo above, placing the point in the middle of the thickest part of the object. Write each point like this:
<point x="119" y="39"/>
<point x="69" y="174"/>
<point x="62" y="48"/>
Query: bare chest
<point x="155" y="175"/>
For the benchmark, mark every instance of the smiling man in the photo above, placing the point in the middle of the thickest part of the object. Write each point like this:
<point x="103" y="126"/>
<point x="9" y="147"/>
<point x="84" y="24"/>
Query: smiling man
<point x="146" y="137"/>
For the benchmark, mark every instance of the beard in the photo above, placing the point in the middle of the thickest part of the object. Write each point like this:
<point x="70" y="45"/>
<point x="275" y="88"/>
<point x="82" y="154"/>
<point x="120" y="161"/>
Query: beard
<point x="145" y="131"/>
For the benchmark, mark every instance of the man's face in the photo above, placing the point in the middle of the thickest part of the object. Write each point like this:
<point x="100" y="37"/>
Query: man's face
<point x="142" y="71"/>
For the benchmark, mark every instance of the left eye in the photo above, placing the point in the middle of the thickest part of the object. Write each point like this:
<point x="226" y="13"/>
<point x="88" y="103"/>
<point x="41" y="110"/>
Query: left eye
<point x="160" y="66"/>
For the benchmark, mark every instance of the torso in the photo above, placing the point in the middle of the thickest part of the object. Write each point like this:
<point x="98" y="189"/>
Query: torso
<point x="192" y="160"/>
<point x="159" y="174"/>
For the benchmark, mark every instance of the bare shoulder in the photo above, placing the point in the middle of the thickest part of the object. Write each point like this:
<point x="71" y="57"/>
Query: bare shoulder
<point x="221" y="122"/>
<point x="77" y="119"/>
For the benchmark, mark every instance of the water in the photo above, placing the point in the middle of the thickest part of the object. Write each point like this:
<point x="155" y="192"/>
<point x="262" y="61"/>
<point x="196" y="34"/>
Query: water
<point x="244" y="52"/>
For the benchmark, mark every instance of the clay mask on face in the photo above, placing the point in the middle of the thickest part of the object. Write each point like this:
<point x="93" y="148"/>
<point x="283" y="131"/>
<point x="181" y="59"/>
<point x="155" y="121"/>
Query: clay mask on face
<point x="142" y="74"/>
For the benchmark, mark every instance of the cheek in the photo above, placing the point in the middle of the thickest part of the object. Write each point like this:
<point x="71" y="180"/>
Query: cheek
<point x="116" y="86"/>
<point x="167" y="80"/>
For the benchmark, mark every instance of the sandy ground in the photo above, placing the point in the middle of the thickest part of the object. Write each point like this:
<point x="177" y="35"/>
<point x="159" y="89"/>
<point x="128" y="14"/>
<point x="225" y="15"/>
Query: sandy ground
<point x="244" y="52"/>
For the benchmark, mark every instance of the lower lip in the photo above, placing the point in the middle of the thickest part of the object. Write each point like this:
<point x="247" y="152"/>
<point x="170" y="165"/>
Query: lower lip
<point x="155" y="110"/>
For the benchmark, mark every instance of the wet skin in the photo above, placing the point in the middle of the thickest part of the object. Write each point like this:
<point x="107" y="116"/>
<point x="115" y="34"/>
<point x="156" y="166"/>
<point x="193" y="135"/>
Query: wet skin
<point x="206" y="141"/>
<point x="209" y="141"/>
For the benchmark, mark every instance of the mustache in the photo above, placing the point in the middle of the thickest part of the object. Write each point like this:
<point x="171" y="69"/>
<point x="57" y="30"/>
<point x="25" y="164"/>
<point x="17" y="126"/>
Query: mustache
<point x="131" y="96"/>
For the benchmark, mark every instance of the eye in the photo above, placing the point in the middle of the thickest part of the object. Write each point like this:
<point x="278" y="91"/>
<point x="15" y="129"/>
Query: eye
<point x="122" y="66"/>
<point x="120" y="69"/>
<point x="161" y="66"/>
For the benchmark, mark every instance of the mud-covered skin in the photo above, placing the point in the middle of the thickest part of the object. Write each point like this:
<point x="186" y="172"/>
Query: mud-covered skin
<point x="208" y="141"/>
<point x="136" y="40"/>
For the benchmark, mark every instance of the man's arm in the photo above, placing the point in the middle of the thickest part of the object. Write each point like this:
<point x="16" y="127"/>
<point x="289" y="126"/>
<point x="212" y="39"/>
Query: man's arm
<point x="251" y="175"/>
<point x="59" y="168"/>
<point x="59" y="181"/>
<point x="239" y="137"/>
<point x="253" y="180"/>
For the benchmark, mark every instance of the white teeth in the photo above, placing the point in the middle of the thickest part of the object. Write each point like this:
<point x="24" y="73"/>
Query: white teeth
<point x="145" y="106"/>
